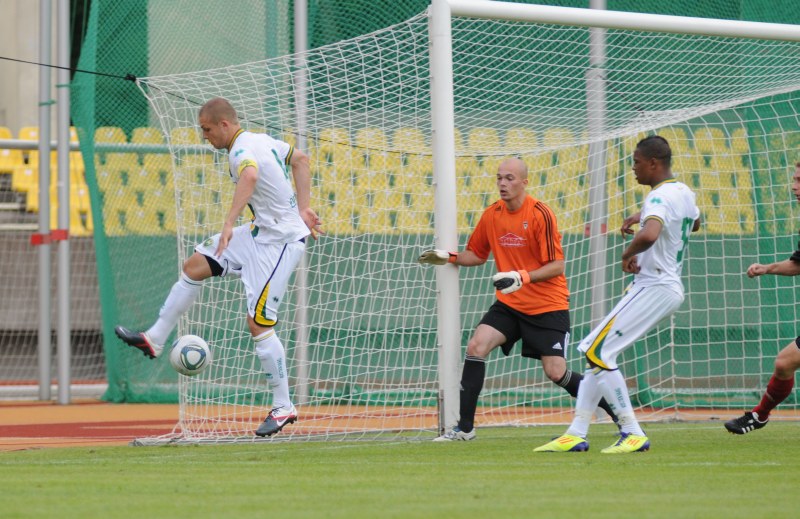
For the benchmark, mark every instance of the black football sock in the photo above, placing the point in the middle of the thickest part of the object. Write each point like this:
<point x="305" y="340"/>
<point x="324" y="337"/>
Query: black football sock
<point x="471" y="384"/>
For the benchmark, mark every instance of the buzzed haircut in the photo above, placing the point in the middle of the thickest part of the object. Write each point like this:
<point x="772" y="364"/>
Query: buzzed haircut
<point x="656" y="147"/>
<point x="518" y="164"/>
<point x="218" y="109"/>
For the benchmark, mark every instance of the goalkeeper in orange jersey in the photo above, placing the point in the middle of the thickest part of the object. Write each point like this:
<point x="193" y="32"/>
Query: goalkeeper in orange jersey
<point x="781" y="383"/>
<point x="532" y="296"/>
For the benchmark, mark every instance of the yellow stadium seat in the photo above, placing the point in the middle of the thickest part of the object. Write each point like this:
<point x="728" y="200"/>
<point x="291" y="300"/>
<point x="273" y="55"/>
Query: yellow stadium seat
<point x="470" y="208"/>
<point x="371" y="143"/>
<point x="521" y="140"/>
<point x="372" y="138"/>
<point x="23" y="177"/>
<point x="10" y="160"/>
<point x="739" y="141"/>
<point x="143" y="179"/>
<point x="149" y="135"/>
<point x="122" y="161"/>
<point x="30" y="133"/>
<point x="483" y="141"/>
<point x="677" y="139"/>
<point x="185" y="136"/>
<point x="112" y="134"/>
<point x="373" y="180"/>
<point x="159" y="164"/>
<point x="557" y="137"/>
<point x="459" y="140"/>
<point x="410" y="141"/>
<point x="710" y="140"/>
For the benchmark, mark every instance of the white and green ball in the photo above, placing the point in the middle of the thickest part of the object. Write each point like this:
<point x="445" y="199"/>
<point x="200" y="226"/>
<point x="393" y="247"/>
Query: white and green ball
<point x="190" y="355"/>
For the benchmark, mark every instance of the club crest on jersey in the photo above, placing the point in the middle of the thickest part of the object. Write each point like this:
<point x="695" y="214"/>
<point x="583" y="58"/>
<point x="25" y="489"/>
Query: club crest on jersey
<point x="525" y="224"/>
<point x="511" y="240"/>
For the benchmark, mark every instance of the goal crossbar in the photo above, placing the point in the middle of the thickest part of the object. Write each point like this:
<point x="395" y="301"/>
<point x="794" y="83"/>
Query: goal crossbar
<point x="581" y="17"/>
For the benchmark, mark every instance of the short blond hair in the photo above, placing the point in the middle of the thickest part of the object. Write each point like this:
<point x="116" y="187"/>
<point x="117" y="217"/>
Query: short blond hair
<point x="219" y="109"/>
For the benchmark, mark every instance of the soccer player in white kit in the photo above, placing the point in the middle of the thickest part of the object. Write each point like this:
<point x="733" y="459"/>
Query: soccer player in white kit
<point x="655" y="257"/>
<point x="263" y="253"/>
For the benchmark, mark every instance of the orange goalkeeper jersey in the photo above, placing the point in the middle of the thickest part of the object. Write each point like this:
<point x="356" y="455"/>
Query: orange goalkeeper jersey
<point x="524" y="239"/>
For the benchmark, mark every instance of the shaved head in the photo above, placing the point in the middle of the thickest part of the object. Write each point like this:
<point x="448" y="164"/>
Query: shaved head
<point x="516" y="166"/>
<point x="219" y="109"/>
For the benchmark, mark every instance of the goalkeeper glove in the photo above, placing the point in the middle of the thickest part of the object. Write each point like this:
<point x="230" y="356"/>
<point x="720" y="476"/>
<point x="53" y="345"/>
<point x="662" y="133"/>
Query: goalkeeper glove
<point x="507" y="282"/>
<point x="437" y="257"/>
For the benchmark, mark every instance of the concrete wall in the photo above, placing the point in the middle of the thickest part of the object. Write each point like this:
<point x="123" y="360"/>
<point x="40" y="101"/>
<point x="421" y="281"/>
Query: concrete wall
<point x="19" y="82"/>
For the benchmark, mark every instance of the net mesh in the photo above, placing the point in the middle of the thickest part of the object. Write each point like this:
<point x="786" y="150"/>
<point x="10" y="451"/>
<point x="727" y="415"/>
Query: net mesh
<point x="370" y="364"/>
<point x="727" y="106"/>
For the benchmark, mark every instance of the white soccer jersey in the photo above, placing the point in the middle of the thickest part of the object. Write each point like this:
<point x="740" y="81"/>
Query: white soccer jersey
<point x="673" y="204"/>
<point x="274" y="202"/>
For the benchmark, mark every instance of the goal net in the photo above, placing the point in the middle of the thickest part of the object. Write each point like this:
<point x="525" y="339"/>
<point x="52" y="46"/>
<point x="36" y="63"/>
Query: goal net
<point x="360" y="322"/>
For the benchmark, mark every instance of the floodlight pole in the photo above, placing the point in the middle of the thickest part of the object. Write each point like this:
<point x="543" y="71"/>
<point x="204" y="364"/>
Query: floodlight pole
<point x="301" y="362"/>
<point x="445" y="207"/>
<point x="45" y="325"/>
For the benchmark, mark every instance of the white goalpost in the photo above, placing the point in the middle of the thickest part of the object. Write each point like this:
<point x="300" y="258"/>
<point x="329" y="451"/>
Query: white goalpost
<point x="405" y="128"/>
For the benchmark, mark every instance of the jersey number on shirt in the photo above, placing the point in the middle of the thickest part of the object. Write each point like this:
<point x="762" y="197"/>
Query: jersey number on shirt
<point x="281" y="164"/>
<point x="686" y="229"/>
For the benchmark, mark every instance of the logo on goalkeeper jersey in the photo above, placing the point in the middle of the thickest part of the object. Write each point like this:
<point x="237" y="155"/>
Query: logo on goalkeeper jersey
<point x="511" y="240"/>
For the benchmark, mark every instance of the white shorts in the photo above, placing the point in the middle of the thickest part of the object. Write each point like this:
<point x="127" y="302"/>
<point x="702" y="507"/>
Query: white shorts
<point x="638" y="312"/>
<point x="265" y="269"/>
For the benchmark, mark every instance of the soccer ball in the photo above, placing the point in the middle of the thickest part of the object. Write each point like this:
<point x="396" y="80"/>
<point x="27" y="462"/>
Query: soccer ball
<point x="190" y="355"/>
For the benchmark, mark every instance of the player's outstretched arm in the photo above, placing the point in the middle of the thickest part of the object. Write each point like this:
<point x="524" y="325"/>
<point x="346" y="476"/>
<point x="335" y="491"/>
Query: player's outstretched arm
<point x="465" y="258"/>
<point x="782" y="268"/>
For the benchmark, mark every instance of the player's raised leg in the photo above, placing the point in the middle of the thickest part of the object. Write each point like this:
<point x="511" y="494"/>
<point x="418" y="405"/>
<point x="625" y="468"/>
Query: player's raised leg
<point x="181" y="296"/>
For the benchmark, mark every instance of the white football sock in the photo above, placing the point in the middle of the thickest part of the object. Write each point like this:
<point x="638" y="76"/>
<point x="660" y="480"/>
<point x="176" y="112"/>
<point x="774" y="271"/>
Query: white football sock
<point x="613" y="388"/>
<point x="273" y="360"/>
<point x="588" y="398"/>
<point x="180" y="298"/>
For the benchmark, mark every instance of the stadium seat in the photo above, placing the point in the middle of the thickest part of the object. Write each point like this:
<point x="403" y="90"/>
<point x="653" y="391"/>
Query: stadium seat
<point x="470" y="208"/>
<point x="23" y="177"/>
<point x="410" y="141"/>
<point x="483" y="141"/>
<point x="414" y="221"/>
<point x="9" y="159"/>
<point x="677" y="138"/>
<point x="557" y="137"/>
<point x="373" y="180"/>
<point x="147" y="135"/>
<point x="739" y="141"/>
<point x="185" y="136"/>
<point x="159" y="164"/>
<point x="373" y="146"/>
<point x="710" y="140"/>
<point x="30" y="133"/>
<point x="521" y="140"/>
<point x="107" y="135"/>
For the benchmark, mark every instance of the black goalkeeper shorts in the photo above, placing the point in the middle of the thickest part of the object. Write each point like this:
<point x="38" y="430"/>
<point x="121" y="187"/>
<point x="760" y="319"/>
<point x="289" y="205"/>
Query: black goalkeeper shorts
<point x="543" y="335"/>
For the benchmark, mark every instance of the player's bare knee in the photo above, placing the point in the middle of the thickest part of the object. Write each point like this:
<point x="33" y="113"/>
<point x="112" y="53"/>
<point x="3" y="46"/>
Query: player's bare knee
<point x="199" y="267"/>
<point x="554" y="370"/>
<point x="477" y="348"/>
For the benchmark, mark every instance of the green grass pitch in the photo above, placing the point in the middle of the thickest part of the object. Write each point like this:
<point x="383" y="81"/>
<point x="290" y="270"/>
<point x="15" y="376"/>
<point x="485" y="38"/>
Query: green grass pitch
<point x="694" y="470"/>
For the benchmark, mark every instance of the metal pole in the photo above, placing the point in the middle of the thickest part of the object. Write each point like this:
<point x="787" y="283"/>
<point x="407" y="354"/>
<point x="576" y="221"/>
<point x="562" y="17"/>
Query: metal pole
<point x="301" y="358"/>
<point x="64" y="348"/>
<point x="445" y="228"/>
<point x="598" y="205"/>
<point x="579" y="17"/>
<point x="45" y="327"/>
